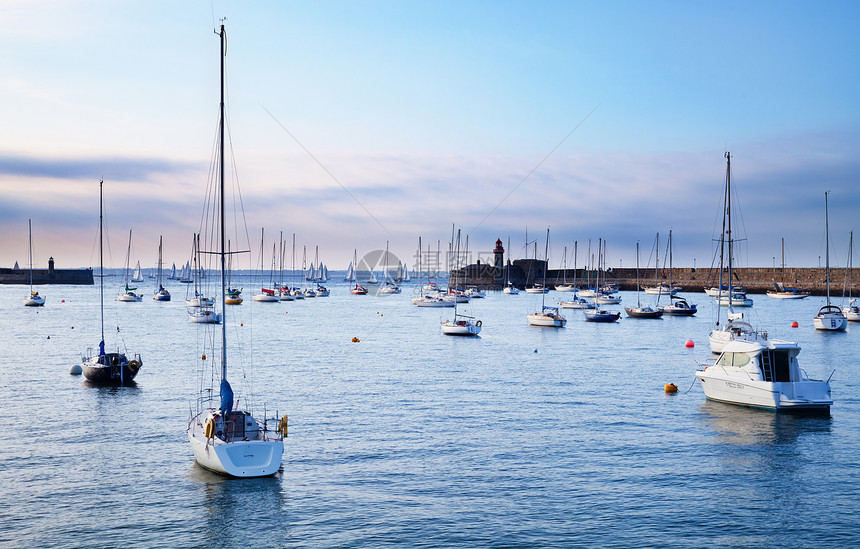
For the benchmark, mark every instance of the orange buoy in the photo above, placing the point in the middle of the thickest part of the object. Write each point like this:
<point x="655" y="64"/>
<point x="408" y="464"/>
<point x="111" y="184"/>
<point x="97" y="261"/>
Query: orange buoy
<point x="794" y="324"/>
<point x="62" y="301"/>
<point x="356" y="340"/>
<point x="670" y="388"/>
<point x="689" y="344"/>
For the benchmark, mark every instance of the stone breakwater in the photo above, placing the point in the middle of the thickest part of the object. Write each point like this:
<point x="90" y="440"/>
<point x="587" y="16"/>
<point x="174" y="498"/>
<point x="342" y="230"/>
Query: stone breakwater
<point x="755" y="279"/>
<point x="47" y="276"/>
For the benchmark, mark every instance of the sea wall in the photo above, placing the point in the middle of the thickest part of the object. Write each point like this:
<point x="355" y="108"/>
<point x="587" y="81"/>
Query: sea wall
<point x="47" y="276"/>
<point x="754" y="279"/>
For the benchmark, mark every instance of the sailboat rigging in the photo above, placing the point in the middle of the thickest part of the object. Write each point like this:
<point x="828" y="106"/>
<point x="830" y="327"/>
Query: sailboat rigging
<point x="103" y="367"/>
<point x="228" y="439"/>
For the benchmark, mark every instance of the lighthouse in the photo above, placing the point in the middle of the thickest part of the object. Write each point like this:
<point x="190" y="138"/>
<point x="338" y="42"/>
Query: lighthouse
<point x="499" y="253"/>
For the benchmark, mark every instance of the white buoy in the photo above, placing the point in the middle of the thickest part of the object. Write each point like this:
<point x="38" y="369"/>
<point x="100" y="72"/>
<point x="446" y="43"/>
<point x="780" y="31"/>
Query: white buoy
<point x="76" y="370"/>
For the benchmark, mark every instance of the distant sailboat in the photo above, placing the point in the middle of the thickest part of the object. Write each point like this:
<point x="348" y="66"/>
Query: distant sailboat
<point x="34" y="300"/>
<point x="128" y="294"/>
<point x="829" y="317"/>
<point x="161" y="294"/>
<point x="547" y="316"/>
<point x="137" y="275"/>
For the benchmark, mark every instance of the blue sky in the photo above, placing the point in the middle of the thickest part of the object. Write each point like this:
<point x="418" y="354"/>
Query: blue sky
<point x="354" y="123"/>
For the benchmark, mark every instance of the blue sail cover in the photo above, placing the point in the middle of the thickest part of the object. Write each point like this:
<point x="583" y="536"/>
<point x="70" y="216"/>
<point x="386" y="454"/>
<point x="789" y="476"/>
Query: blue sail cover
<point x="102" y="348"/>
<point x="226" y="398"/>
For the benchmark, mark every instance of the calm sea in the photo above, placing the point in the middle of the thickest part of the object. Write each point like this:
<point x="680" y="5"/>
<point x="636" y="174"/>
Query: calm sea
<point x="524" y="437"/>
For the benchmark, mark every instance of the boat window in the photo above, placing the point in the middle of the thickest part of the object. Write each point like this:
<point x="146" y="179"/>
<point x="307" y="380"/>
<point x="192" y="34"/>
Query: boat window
<point x="734" y="359"/>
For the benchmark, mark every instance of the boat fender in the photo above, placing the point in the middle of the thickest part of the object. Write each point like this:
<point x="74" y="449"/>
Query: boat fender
<point x="209" y="429"/>
<point x="479" y="324"/>
<point x="282" y="425"/>
<point x="133" y="365"/>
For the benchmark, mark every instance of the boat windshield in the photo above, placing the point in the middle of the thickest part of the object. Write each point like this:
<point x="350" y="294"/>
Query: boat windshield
<point x="734" y="359"/>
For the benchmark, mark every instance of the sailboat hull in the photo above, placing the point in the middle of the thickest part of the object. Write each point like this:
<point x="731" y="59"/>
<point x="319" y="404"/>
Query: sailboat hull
<point x="546" y="320"/>
<point x="260" y="457"/>
<point x="34" y="301"/>
<point x="110" y="369"/>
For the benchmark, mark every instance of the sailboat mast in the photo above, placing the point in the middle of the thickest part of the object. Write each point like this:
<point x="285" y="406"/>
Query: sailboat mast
<point x="638" y="304"/>
<point x="827" y="246"/>
<point x="30" y="231"/>
<point x="575" y="243"/>
<point x="729" y="219"/>
<point x="222" y="34"/>
<point x="545" y="269"/>
<point x="101" y="261"/>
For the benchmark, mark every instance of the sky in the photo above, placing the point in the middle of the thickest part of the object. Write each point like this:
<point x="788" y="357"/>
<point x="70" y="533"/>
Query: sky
<point x="353" y="124"/>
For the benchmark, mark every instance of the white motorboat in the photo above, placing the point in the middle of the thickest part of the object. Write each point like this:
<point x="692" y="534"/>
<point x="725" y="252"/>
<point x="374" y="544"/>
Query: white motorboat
<point x="764" y="374"/>
<point x="537" y="289"/>
<point x="475" y="293"/>
<point x="100" y="367"/>
<point x="225" y="438"/>
<point x="34" y="299"/>
<point x="829" y="317"/>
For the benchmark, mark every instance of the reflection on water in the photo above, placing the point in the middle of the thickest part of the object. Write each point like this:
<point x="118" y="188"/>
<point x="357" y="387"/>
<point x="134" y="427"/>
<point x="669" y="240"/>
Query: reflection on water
<point x="747" y="426"/>
<point x="240" y="512"/>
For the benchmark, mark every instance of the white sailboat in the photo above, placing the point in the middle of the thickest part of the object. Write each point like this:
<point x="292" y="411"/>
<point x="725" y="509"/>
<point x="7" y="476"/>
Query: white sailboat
<point x="161" y="294"/>
<point x="388" y="286"/>
<point x="829" y="317"/>
<point x="266" y="295"/>
<point x="735" y="327"/>
<point x="678" y="306"/>
<point x="783" y="291"/>
<point x="137" y="275"/>
<point x="547" y="316"/>
<point x="640" y="311"/>
<point x="461" y="324"/>
<point x="509" y="288"/>
<point x="201" y="309"/>
<point x="107" y="368"/>
<point x="852" y="311"/>
<point x="228" y="439"/>
<point x="128" y="294"/>
<point x="34" y="299"/>
<point x="199" y="299"/>
<point x="596" y="314"/>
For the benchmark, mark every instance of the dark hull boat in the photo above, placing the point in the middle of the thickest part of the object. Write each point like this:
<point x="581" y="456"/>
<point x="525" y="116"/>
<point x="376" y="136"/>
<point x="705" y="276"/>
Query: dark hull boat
<point x="111" y="368"/>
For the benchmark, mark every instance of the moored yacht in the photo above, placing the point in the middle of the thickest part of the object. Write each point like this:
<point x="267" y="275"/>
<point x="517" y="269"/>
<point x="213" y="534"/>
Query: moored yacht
<point x="764" y="374"/>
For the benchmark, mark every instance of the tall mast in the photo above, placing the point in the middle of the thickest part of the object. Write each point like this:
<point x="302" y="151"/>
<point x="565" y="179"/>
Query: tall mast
<point x="101" y="262"/>
<point x="223" y="36"/>
<point x="30" y="231"/>
<point x="545" y="269"/>
<point x="729" y="218"/>
<point x="827" y="246"/>
<point x="638" y="304"/>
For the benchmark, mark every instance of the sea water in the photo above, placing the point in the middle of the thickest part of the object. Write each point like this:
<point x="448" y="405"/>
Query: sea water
<point x="523" y="437"/>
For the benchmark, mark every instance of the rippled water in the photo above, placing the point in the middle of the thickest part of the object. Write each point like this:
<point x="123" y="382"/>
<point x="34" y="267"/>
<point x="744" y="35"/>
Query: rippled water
<point x="523" y="437"/>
